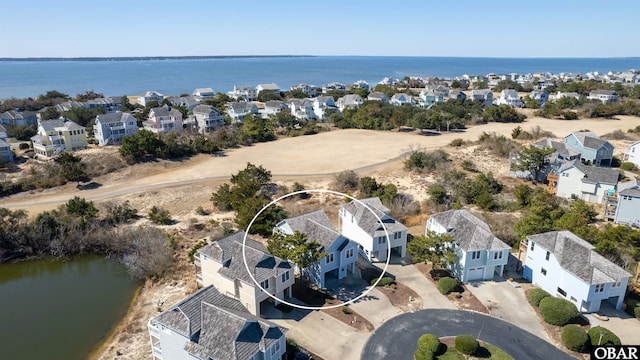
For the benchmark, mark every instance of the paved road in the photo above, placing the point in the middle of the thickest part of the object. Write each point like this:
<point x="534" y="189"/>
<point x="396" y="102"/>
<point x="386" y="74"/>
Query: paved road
<point x="397" y="338"/>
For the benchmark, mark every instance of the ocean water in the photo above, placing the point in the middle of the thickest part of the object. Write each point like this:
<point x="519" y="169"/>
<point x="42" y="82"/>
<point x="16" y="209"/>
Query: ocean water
<point x="175" y="76"/>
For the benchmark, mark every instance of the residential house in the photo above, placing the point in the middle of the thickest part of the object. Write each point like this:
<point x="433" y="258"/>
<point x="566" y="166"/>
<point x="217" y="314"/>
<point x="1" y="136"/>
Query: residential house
<point x="301" y="109"/>
<point x="593" y="150"/>
<point x="429" y="98"/>
<point x="437" y="89"/>
<point x="400" y="99"/>
<point x="18" y="117"/>
<point x="509" y="97"/>
<point x="224" y="265"/>
<point x="273" y="107"/>
<point x="342" y="253"/>
<point x="632" y="154"/>
<point x="457" y="94"/>
<point x="561" y="155"/>
<point x="542" y="96"/>
<point x="359" y="222"/>
<point x="110" y="128"/>
<point x="323" y="106"/>
<point x="360" y="84"/>
<point x="309" y="90"/>
<point x="378" y="96"/>
<point x="334" y="86"/>
<point x="237" y="111"/>
<point x="268" y="87"/>
<point x="66" y="106"/>
<point x="3" y="133"/>
<point x="150" y="96"/>
<point x="188" y="102"/>
<point x="203" y="93"/>
<point x="207" y="118"/>
<point x="209" y="325"/>
<point x="480" y="255"/>
<point x="485" y="96"/>
<point x="349" y="101"/>
<point x="589" y="183"/>
<point x="246" y="93"/>
<point x="58" y="136"/>
<point x="627" y="210"/>
<point x="606" y="96"/>
<point x="6" y="155"/>
<point x="107" y="104"/>
<point x="163" y="120"/>
<point x="566" y="266"/>
<point x="569" y="95"/>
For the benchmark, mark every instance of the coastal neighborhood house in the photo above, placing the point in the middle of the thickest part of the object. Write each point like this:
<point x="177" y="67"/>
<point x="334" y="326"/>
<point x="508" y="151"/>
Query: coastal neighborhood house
<point x="479" y="254"/>
<point x="221" y="264"/>
<point x="342" y="253"/>
<point x="592" y="149"/>
<point x="589" y="183"/>
<point x="6" y="155"/>
<point x="359" y="223"/>
<point x="58" y="136"/>
<point x="632" y="154"/>
<point x="509" y="97"/>
<point x="485" y="96"/>
<point x="606" y="96"/>
<point x="18" y="117"/>
<point x="627" y="209"/>
<point x="109" y="129"/>
<point x="267" y="87"/>
<point x="163" y="120"/>
<point x="400" y="99"/>
<point x="566" y="266"/>
<point x="239" y="110"/>
<point x="150" y="96"/>
<point x="207" y="118"/>
<point x="246" y="93"/>
<point x="561" y="155"/>
<point x="349" y="101"/>
<point x="208" y="325"/>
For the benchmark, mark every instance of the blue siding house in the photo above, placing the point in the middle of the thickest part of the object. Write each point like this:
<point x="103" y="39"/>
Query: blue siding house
<point x="593" y="150"/>
<point x="628" y="208"/>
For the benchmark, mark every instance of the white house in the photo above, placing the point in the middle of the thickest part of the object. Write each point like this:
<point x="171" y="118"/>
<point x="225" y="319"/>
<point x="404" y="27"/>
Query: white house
<point x="542" y="96"/>
<point x="334" y="86"/>
<point x="359" y="223"/>
<point x="301" y="109"/>
<point x="485" y="96"/>
<point x="589" y="183"/>
<point x="188" y="102"/>
<point x="360" y="84"/>
<point x="400" y="99"/>
<point x="209" y="325"/>
<point x="479" y="254"/>
<point x="108" y="104"/>
<point x="273" y="107"/>
<point x="267" y="87"/>
<point x="566" y="266"/>
<point x="603" y="95"/>
<point x="207" y="118"/>
<point x="109" y="129"/>
<point x="221" y="264"/>
<point x="632" y="154"/>
<point x="204" y="93"/>
<point x="429" y="98"/>
<point x="628" y="206"/>
<point x="342" y="253"/>
<point x="6" y="155"/>
<point x="349" y="101"/>
<point x="247" y="93"/>
<point x="509" y="97"/>
<point x="150" y="96"/>
<point x="323" y="106"/>
<point x="378" y="96"/>
<point x="569" y="95"/>
<point x="309" y="90"/>
<point x="237" y="111"/>
<point x="163" y="120"/>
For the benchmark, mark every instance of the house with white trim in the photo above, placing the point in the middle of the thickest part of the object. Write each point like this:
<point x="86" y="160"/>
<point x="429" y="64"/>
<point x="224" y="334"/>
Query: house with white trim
<point x="6" y="155"/>
<point x="542" y="96"/>
<point x="378" y="96"/>
<point x="566" y="266"/>
<point x="209" y="325"/>
<point x="207" y="118"/>
<point x="589" y="183"/>
<point x="485" y="96"/>
<point x="632" y="154"/>
<point x="323" y="106"/>
<point x="150" y="96"/>
<point x="19" y="117"/>
<point x="239" y="110"/>
<point x="349" y="101"/>
<point x="359" y="223"/>
<point x="342" y="253"/>
<point x="247" y="93"/>
<point x="628" y="205"/>
<point x="163" y="120"/>
<point x="592" y="149"/>
<point x="274" y="88"/>
<point x="222" y="265"/>
<point x="272" y="107"/>
<point x="480" y="255"/>
<point x="301" y="109"/>
<point x="509" y="97"/>
<point x="400" y="99"/>
<point x="110" y="128"/>
<point x="57" y="136"/>
<point x="203" y="93"/>
<point x="606" y="96"/>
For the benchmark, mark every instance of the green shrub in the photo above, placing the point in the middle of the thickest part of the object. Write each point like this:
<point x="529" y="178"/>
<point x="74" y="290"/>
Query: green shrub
<point x="574" y="337"/>
<point x="446" y="285"/>
<point x="423" y="354"/>
<point x="429" y="342"/>
<point x="569" y="115"/>
<point x="456" y="142"/>
<point x="466" y="344"/>
<point x="636" y="312"/>
<point x="628" y="166"/>
<point x="346" y="310"/>
<point x="608" y="337"/>
<point x="385" y="281"/>
<point x="194" y="249"/>
<point x="557" y="311"/>
<point x="160" y="216"/>
<point x="201" y="211"/>
<point x="537" y="294"/>
<point x="469" y="165"/>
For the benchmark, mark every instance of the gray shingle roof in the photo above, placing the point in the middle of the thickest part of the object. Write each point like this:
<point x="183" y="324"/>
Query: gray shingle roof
<point x="603" y="92"/>
<point x="205" y="109"/>
<point x="165" y="111"/>
<point x="579" y="257"/>
<point x="469" y="232"/>
<point x="317" y="226"/>
<point x="560" y="148"/>
<point x="219" y="327"/>
<point x="589" y="139"/>
<point x="228" y="251"/>
<point x="595" y="174"/>
<point x="368" y="222"/>
<point x="112" y="117"/>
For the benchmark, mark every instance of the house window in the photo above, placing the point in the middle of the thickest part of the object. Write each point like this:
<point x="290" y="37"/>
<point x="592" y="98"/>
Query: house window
<point x="574" y="299"/>
<point x="285" y="276"/>
<point x="533" y="245"/>
<point x="497" y="256"/>
<point x="329" y="258"/>
<point x="396" y="235"/>
<point x="382" y="240"/>
<point x="349" y="253"/>
<point x="599" y="288"/>
<point x="617" y="283"/>
<point x="475" y="255"/>
<point x="265" y="284"/>
<point x="547" y="256"/>
<point x="562" y="292"/>
<point x="543" y="271"/>
<point x="275" y="348"/>
<point x="565" y="174"/>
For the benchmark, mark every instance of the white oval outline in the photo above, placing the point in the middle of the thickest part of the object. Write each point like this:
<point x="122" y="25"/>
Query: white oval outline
<point x="246" y="233"/>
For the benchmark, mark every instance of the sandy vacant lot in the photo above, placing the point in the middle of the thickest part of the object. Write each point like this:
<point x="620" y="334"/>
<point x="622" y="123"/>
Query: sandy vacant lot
<point x="305" y="156"/>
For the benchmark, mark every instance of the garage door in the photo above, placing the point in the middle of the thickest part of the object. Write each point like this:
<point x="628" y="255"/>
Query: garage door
<point x="475" y="274"/>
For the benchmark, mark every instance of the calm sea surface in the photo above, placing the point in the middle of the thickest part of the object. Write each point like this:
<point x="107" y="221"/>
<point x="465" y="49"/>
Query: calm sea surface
<point x="176" y="76"/>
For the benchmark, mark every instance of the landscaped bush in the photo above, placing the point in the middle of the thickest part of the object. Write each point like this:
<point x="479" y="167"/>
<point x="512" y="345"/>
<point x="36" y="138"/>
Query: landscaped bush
<point x="574" y="337"/>
<point x="346" y="310"/>
<point x="537" y="294"/>
<point x="456" y="142"/>
<point x="608" y="338"/>
<point x="636" y="312"/>
<point x="423" y="354"/>
<point x="429" y="342"/>
<point x="466" y="344"/>
<point x="557" y="311"/>
<point x="446" y="285"/>
<point x="628" y="166"/>
<point x="385" y="281"/>
<point x="160" y="216"/>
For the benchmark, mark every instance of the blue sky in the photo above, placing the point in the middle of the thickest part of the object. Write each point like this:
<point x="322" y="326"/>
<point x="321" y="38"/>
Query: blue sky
<point x="492" y="28"/>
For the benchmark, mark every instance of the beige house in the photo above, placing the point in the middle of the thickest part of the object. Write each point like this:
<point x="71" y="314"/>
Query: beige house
<point x="163" y="120"/>
<point x="58" y="136"/>
<point x="221" y="264"/>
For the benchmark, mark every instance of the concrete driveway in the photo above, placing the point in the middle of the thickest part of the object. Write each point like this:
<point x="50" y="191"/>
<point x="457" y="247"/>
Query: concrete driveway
<point x="397" y="338"/>
<point x="376" y="307"/>
<point x="622" y="324"/>
<point x="508" y="303"/>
